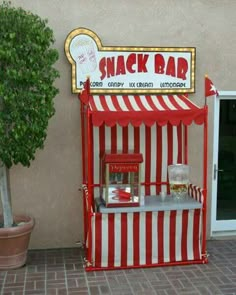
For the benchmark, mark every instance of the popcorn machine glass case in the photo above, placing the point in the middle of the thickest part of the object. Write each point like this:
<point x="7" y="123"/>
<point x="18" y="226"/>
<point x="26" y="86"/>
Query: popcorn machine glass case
<point x="120" y="179"/>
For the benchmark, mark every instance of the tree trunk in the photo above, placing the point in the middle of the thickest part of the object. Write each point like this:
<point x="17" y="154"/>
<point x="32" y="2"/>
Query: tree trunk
<point x="5" y="197"/>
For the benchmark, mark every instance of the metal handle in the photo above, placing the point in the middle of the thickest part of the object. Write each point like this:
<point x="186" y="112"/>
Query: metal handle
<point x="217" y="170"/>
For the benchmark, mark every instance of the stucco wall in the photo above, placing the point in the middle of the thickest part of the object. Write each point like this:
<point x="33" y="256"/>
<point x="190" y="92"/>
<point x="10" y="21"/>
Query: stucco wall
<point x="48" y="190"/>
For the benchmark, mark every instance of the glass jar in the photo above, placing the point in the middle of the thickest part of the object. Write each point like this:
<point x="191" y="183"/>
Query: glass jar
<point x="178" y="180"/>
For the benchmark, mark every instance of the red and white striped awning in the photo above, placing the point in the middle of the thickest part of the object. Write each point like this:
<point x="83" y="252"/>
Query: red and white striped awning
<point x="147" y="109"/>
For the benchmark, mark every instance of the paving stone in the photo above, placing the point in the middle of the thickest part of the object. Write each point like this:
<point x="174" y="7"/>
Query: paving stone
<point x="60" y="271"/>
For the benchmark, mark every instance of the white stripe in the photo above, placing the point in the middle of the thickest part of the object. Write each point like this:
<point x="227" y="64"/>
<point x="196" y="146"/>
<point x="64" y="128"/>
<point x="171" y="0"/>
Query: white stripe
<point x="96" y="154"/>
<point x="130" y="239"/>
<point x="153" y="158"/>
<point x="142" y="238"/>
<point x="107" y="138"/>
<point x="145" y="103"/>
<point x="166" y="231"/>
<point x="154" y="238"/>
<point x="104" y="246"/>
<point x="190" y="235"/>
<point x="164" y="157"/>
<point x="97" y="103"/>
<point x="157" y="103"/>
<point x="133" y="103"/>
<point x="110" y="103"/>
<point x="117" y="234"/>
<point x="168" y="103"/>
<point x="131" y="137"/>
<point x="175" y="145"/>
<point x="122" y="104"/>
<point x="119" y="141"/>
<point x="178" y="235"/>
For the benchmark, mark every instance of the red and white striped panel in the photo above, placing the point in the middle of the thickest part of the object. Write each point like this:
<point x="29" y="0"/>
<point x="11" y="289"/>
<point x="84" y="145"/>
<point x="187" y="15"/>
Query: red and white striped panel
<point x="147" y="109"/>
<point x="160" y="147"/>
<point x="145" y="238"/>
<point x="196" y="193"/>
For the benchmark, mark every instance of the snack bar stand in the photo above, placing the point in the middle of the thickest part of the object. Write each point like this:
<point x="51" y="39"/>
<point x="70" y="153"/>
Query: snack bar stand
<point x="158" y="231"/>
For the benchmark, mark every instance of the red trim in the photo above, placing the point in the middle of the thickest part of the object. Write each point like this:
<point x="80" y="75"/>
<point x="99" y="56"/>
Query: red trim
<point x="185" y="145"/>
<point x="184" y="242"/>
<point x="205" y="163"/>
<point x="136" y="238"/>
<point x="159" y="157"/>
<point x="161" y="109"/>
<point x="123" y="158"/>
<point x="147" y="159"/>
<point x="160" y="232"/>
<point x="196" y="234"/>
<point x="202" y="261"/>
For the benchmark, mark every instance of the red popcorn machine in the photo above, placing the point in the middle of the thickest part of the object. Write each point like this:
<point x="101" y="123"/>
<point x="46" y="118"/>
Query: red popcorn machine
<point x="120" y="179"/>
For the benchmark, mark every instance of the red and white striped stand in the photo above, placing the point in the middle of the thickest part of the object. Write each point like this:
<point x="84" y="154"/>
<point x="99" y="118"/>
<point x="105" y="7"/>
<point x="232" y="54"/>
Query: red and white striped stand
<point x="157" y="127"/>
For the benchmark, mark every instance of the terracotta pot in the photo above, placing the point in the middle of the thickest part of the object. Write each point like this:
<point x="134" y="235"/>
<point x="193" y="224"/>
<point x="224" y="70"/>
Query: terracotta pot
<point x="14" y="242"/>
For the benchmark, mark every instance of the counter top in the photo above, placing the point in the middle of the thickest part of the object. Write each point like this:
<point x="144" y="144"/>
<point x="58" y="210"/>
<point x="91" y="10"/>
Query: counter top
<point x="153" y="203"/>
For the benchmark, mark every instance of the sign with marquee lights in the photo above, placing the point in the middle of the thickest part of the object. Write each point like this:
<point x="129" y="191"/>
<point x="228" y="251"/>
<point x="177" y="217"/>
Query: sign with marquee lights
<point x="128" y="69"/>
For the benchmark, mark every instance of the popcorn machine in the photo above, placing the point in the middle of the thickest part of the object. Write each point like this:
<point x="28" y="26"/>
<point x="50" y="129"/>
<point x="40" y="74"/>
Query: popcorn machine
<point x="120" y="179"/>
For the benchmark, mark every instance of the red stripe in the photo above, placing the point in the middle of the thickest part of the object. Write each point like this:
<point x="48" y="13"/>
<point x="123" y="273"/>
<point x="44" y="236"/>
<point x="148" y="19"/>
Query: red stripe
<point x="125" y="139"/>
<point x="128" y="103"/>
<point x="172" y="235"/>
<point x="160" y="231"/>
<point x="151" y="103"/>
<point x="124" y="246"/>
<point x="170" y="143"/>
<point x="92" y="104"/>
<point x="114" y="139"/>
<point x="104" y="103"/>
<point x="188" y="102"/>
<point x="136" y="237"/>
<point x="162" y="102"/>
<point x="139" y="103"/>
<point x="149" y="238"/>
<point x="98" y="239"/>
<point x="159" y="156"/>
<point x="92" y="165"/>
<point x="184" y="250"/>
<point x="173" y="101"/>
<point x="196" y="234"/>
<point x="180" y="144"/>
<point x="169" y="148"/>
<point x="114" y="99"/>
<point x="147" y="158"/>
<point x="111" y="239"/>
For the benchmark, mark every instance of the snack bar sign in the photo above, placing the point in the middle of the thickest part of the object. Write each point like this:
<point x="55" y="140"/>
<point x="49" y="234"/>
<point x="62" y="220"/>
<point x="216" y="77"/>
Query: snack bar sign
<point x="128" y="69"/>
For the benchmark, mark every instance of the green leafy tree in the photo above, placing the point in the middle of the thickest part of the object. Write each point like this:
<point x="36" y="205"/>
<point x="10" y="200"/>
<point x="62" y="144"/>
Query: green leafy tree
<point x="27" y="76"/>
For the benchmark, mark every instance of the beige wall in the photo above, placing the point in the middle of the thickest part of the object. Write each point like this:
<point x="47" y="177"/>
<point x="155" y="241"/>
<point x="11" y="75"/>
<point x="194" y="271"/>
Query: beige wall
<point x="48" y="190"/>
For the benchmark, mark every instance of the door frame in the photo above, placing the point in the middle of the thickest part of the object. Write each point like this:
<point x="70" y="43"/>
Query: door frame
<point x="219" y="227"/>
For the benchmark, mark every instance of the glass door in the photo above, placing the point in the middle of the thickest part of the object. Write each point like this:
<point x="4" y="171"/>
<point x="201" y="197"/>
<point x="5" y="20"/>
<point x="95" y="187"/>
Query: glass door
<point x="224" y="166"/>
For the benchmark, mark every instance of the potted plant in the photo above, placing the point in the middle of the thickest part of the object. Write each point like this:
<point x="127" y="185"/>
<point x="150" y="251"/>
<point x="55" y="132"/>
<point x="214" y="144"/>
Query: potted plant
<point x="26" y="105"/>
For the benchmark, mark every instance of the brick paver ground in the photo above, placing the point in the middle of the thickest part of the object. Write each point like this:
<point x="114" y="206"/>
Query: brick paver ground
<point x="61" y="272"/>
